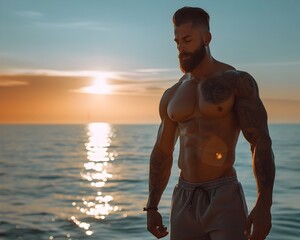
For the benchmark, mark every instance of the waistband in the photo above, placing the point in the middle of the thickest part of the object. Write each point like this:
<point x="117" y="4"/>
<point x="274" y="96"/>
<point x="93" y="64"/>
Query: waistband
<point x="209" y="184"/>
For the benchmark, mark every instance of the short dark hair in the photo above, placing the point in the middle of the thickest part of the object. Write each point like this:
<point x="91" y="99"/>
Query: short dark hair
<point x="191" y="14"/>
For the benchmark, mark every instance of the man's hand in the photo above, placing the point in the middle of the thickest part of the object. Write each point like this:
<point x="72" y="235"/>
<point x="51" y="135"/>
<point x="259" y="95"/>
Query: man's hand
<point x="260" y="218"/>
<point x="155" y="224"/>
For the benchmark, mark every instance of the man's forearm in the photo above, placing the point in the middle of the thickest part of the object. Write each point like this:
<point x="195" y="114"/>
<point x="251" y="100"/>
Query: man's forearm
<point x="264" y="169"/>
<point x="160" y="170"/>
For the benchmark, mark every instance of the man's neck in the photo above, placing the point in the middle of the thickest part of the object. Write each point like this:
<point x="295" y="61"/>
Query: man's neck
<point x="205" y="69"/>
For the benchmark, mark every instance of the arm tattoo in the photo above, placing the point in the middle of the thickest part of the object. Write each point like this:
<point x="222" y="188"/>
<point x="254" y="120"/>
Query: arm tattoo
<point x="246" y="85"/>
<point x="252" y="118"/>
<point x="160" y="170"/>
<point x="264" y="168"/>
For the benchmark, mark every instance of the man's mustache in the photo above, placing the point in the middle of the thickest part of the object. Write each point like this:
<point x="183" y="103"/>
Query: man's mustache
<point x="183" y="55"/>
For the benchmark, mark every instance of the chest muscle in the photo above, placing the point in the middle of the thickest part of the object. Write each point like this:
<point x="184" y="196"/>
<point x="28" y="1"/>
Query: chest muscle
<point x="212" y="99"/>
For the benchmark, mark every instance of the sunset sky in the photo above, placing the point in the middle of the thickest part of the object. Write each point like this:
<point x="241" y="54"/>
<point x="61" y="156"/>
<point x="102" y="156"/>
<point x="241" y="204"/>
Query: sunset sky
<point x="76" y="61"/>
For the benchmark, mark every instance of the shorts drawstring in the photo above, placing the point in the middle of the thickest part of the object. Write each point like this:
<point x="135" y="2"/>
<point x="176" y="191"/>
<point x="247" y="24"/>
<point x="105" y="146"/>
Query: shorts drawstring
<point x="203" y="190"/>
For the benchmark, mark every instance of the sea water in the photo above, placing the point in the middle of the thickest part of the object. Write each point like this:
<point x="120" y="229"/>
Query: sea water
<point x="91" y="181"/>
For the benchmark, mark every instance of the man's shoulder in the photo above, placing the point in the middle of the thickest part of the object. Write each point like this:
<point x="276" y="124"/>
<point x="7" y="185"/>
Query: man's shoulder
<point x="235" y="74"/>
<point x="170" y="91"/>
<point x="243" y="83"/>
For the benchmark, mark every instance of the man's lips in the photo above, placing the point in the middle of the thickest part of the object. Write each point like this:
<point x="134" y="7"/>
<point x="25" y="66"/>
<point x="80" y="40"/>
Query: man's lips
<point x="184" y="56"/>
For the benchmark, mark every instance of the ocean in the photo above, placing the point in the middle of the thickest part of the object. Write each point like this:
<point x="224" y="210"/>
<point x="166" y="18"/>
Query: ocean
<point x="91" y="181"/>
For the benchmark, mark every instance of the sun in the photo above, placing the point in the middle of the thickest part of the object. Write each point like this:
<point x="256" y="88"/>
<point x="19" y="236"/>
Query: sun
<point x="99" y="86"/>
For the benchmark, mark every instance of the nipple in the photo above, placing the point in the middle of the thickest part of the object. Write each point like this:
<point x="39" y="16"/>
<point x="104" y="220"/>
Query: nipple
<point x="219" y="156"/>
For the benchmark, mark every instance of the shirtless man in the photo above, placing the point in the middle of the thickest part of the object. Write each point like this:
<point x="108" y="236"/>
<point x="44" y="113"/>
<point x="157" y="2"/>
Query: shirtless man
<point x="206" y="110"/>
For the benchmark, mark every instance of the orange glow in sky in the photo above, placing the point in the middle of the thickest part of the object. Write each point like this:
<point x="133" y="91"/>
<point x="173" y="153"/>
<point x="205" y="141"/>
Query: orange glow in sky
<point x="108" y="62"/>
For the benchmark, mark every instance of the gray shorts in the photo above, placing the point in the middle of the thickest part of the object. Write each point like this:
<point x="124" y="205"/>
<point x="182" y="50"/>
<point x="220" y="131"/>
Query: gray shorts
<point x="213" y="210"/>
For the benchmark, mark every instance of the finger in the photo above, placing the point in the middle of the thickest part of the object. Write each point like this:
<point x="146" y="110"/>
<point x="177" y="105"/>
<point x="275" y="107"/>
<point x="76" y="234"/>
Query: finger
<point x="261" y="236"/>
<point x="161" y="228"/>
<point x="162" y="231"/>
<point x="158" y="231"/>
<point x="248" y="225"/>
<point x="256" y="234"/>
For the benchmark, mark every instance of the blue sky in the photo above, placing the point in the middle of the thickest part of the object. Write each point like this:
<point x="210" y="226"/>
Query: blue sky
<point x="133" y="39"/>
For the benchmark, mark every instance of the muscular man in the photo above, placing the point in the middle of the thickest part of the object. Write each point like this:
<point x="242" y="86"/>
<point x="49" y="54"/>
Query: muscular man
<point x="206" y="109"/>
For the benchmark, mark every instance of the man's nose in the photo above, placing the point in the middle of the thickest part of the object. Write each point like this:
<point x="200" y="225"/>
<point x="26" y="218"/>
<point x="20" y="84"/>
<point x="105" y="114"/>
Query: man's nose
<point x="180" y="47"/>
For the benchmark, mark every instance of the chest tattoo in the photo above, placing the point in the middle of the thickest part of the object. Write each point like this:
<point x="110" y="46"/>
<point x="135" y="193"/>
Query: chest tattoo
<point x="216" y="90"/>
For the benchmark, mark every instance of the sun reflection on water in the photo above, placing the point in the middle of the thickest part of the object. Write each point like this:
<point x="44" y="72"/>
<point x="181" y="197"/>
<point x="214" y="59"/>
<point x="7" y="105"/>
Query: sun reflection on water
<point x="96" y="172"/>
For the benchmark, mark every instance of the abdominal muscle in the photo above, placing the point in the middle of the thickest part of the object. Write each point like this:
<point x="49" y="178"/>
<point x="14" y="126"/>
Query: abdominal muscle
<point x="206" y="155"/>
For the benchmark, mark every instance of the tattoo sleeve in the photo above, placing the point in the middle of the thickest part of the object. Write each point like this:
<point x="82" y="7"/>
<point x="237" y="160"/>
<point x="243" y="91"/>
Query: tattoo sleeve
<point x="159" y="174"/>
<point x="252" y="118"/>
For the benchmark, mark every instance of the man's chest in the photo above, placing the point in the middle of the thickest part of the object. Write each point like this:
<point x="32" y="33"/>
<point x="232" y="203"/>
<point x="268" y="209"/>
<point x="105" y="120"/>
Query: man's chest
<point x="212" y="98"/>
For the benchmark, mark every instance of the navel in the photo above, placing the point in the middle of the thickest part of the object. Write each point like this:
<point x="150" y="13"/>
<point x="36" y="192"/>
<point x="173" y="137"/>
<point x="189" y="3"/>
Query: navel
<point x="220" y="109"/>
<point x="219" y="156"/>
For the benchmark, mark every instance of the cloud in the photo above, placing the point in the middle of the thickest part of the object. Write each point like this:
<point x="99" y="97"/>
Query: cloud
<point x="82" y="25"/>
<point x="270" y="64"/>
<point x="12" y="83"/>
<point x="30" y="14"/>
<point x="157" y="70"/>
<point x="75" y="25"/>
<point x="144" y="81"/>
<point x="40" y="84"/>
<point x="49" y="72"/>
<point x="135" y="82"/>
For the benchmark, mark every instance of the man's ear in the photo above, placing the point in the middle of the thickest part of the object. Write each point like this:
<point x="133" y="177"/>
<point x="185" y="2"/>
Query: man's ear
<point x="207" y="38"/>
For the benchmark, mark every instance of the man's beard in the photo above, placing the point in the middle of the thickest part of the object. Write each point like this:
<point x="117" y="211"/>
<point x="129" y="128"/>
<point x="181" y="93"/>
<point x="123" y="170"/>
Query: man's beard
<point x="189" y="64"/>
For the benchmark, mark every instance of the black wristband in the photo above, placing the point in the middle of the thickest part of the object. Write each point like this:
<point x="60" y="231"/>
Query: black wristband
<point x="146" y="209"/>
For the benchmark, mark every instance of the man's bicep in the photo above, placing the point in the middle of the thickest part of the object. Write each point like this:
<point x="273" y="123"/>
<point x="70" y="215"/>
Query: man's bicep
<point x="167" y="136"/>
<point x="168" y="129"/>
<point x="250" y="111"/>
<point x="252" y="118"/>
